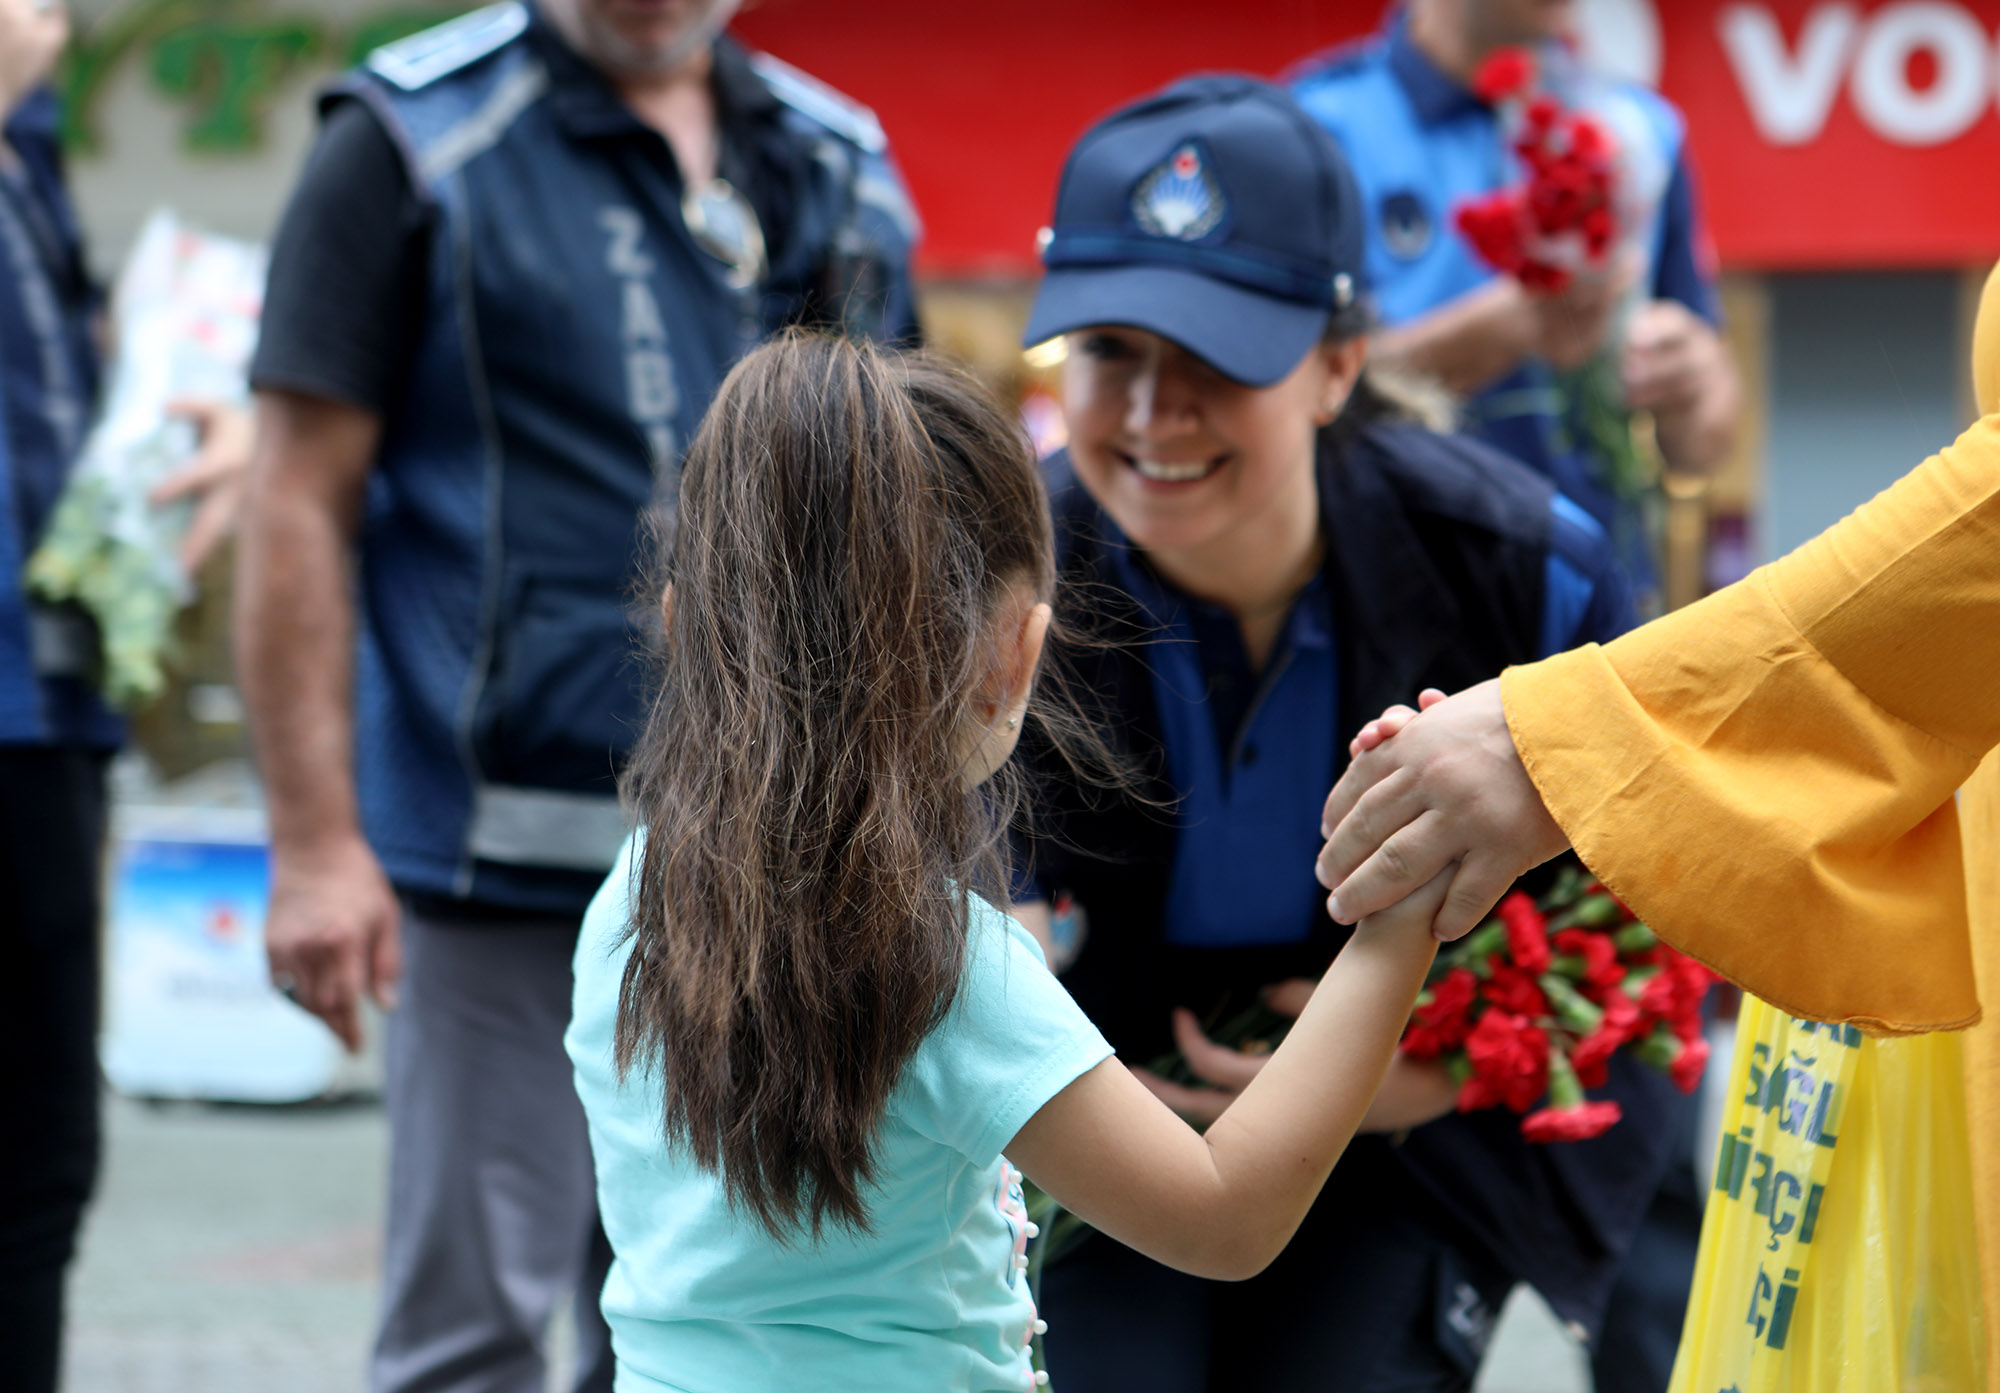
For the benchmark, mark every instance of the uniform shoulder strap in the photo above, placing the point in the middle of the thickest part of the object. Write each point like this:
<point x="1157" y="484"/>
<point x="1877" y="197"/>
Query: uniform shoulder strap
<point x="423" y="58"/>
<point x="810" y="97"/>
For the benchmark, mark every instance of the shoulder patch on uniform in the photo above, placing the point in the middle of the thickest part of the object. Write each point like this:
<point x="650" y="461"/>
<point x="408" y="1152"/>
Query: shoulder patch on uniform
<point x="833" y="109"/>
<point x="423" y="58"/>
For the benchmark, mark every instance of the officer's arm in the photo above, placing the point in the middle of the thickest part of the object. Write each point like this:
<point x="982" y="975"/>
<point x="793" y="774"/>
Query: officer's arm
<point x="1486" y="333"/>
<point x="295" y="611"/>
<point x="1677" y="364"/>
<point x="1465" y="343"/>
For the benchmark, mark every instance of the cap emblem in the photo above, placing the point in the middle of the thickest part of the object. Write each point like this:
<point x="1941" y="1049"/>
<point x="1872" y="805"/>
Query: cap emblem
<point x="1179" y="198"/>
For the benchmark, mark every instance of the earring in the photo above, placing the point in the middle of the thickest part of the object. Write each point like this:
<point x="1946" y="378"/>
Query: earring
<point x="1013" y="722"/>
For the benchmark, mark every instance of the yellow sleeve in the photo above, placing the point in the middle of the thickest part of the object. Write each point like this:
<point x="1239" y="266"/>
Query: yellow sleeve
<point x="1767" y="776"/>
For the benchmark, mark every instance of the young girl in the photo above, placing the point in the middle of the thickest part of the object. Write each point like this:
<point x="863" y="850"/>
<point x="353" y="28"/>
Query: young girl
<point x="802" y="1037"/>
<point x="1265" y="541"/>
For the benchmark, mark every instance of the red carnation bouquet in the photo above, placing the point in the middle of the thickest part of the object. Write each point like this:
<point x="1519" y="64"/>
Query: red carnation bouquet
<point x="1530" y="1007"/>
<point x="1592" y="174"/>
<point x="1563" y="215"/>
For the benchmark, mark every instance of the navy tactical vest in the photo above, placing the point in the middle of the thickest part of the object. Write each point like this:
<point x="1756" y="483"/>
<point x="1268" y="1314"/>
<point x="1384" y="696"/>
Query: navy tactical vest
<point x="574" y="334"/>
<point x="48" y="391"/>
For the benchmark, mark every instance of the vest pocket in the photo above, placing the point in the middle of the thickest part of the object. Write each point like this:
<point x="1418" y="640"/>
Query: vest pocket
<point x="565" y="693"/>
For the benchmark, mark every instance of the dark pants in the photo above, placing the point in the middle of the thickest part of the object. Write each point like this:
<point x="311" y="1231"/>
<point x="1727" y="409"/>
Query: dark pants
<point x="1642" y="1323"/>
<point x="51" y="849"/>
<point x="492" y="1198"/>
<point x="1372" y="1295"/>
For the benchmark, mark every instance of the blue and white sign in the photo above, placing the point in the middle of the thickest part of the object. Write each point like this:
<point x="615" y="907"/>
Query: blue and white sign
<point x="189" y="1009"/>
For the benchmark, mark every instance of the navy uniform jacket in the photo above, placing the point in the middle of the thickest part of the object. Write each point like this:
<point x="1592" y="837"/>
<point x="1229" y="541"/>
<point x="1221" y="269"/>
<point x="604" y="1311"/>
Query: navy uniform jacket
<point x="573" y="334"/>
<point x="48" y="390"/>
<point x="1437" y="573"/>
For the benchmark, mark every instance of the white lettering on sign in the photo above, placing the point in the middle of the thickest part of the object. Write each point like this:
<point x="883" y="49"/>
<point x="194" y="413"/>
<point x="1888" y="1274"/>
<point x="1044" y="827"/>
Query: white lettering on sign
<point x="1790" y="93"/>
<point x="1955" y="96"/>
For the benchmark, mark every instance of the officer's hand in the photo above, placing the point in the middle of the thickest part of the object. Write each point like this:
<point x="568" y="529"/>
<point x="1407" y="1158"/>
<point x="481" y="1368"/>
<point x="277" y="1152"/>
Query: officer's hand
<point x="1671" y="357"/>
<point x="214" y="477"/>
<point x="1571" y="327"/>
<point x="31" y="36"/>
<point x="1413" y="1092"/>
<point x="332" y="932"/>
<point x="1225" y="1070"/>
<point x="1446" y="789"/>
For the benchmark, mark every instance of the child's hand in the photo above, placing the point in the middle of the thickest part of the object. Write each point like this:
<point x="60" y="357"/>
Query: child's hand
<point x="1449" y="795"/>
<point x="1389" y="723"/>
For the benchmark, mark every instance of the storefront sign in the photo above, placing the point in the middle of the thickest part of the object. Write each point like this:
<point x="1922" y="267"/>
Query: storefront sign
<point x="1826" y="132"/>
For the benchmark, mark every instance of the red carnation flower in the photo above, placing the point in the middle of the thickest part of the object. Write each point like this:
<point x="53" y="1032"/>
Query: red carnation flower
<point x="1527" y="932"/>
<point x="1599" y="954"/>
<point x="1505" y="73"/>
<point x="1441" y="1022"/>
<point x="1589" y="140"/>
<point x="1578" y="1123"/>
<point x="1477" y="1093"/>
<point x="1689" y="1064"/>
<point x="1675" y="992"/>
<point x="1539" y="116"/>
<point x="1512" y="989"/>
<point x="1493" y="225"/>
<point x="1592" y="1056"/>
<point x="1510" y="1054"/>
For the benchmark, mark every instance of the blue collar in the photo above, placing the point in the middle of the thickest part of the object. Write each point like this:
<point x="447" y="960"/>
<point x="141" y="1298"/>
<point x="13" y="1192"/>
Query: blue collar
<point x="1308" y="624"/>
<point x="1434" y="94"/>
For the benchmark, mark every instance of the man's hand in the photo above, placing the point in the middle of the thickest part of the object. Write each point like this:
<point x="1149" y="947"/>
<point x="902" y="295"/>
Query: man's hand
<point x="1414" y="1091"/>
<point x="332" y="932"/>
<point x="1677" y="367"/>
<point x="31" y="36"/>
<point x="1570" y="328"/>
<point x="214" y="477"/>
<point x="1440" y="789"/>
<point x="1671" y="354"/>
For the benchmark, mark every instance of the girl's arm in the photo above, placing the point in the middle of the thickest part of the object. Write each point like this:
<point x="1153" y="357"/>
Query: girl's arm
<point x="1224" y="1204"/>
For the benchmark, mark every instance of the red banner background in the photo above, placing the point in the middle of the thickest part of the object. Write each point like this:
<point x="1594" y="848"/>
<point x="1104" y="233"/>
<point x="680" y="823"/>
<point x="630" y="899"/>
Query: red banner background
<point x="1826" y="133"/>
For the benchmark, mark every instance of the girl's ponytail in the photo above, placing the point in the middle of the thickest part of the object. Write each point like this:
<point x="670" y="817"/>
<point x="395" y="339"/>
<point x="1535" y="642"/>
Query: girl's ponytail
<point x="847" y="522"/>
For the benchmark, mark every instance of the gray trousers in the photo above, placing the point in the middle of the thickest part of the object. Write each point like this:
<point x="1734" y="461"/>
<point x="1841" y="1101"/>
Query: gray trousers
<point x="492" y="1200"/>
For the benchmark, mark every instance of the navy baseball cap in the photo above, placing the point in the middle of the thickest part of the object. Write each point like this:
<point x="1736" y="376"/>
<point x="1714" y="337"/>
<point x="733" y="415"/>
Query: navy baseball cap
<point x="1215" y="213"/>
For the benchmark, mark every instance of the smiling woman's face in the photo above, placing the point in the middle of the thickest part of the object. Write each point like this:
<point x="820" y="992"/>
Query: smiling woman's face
<point x="1185" y="459"/>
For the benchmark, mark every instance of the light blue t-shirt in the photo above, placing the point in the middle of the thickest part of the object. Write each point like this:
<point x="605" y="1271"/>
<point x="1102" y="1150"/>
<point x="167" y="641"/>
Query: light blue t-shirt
<point x="701" y="1299"/>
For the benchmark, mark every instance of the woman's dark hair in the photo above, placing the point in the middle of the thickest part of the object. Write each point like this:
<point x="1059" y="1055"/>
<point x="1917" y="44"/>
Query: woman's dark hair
<point x="1384" y="394"/>
<point x="848" y="522"/>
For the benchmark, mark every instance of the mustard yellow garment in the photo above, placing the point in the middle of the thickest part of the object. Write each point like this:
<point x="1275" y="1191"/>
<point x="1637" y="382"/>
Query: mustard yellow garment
<point x="1767" y="776"/>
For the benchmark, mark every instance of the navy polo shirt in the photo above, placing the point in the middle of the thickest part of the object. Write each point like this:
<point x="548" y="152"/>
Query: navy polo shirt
<point x="1252" y="755"/>
<point x="1420" y="144"/>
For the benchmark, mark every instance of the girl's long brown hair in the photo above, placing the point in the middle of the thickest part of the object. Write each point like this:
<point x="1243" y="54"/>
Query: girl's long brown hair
<point x="847" y="522"/>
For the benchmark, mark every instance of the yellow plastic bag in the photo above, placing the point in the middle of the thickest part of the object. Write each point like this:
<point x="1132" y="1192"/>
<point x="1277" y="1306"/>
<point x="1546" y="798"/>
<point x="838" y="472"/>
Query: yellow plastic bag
<point x="1838" y="1254"/>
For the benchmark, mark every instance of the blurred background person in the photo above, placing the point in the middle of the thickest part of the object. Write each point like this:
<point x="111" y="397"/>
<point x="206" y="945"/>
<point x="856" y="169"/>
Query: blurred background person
<point x="56" y="733"/>
<point x="524" y="251"/>
<point x="1422" y="143"/>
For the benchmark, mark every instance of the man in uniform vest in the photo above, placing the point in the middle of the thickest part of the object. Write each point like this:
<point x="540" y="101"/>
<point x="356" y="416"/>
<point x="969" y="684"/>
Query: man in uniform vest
<point x="524" y="251"/>
<point x="1422" y="143"/>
